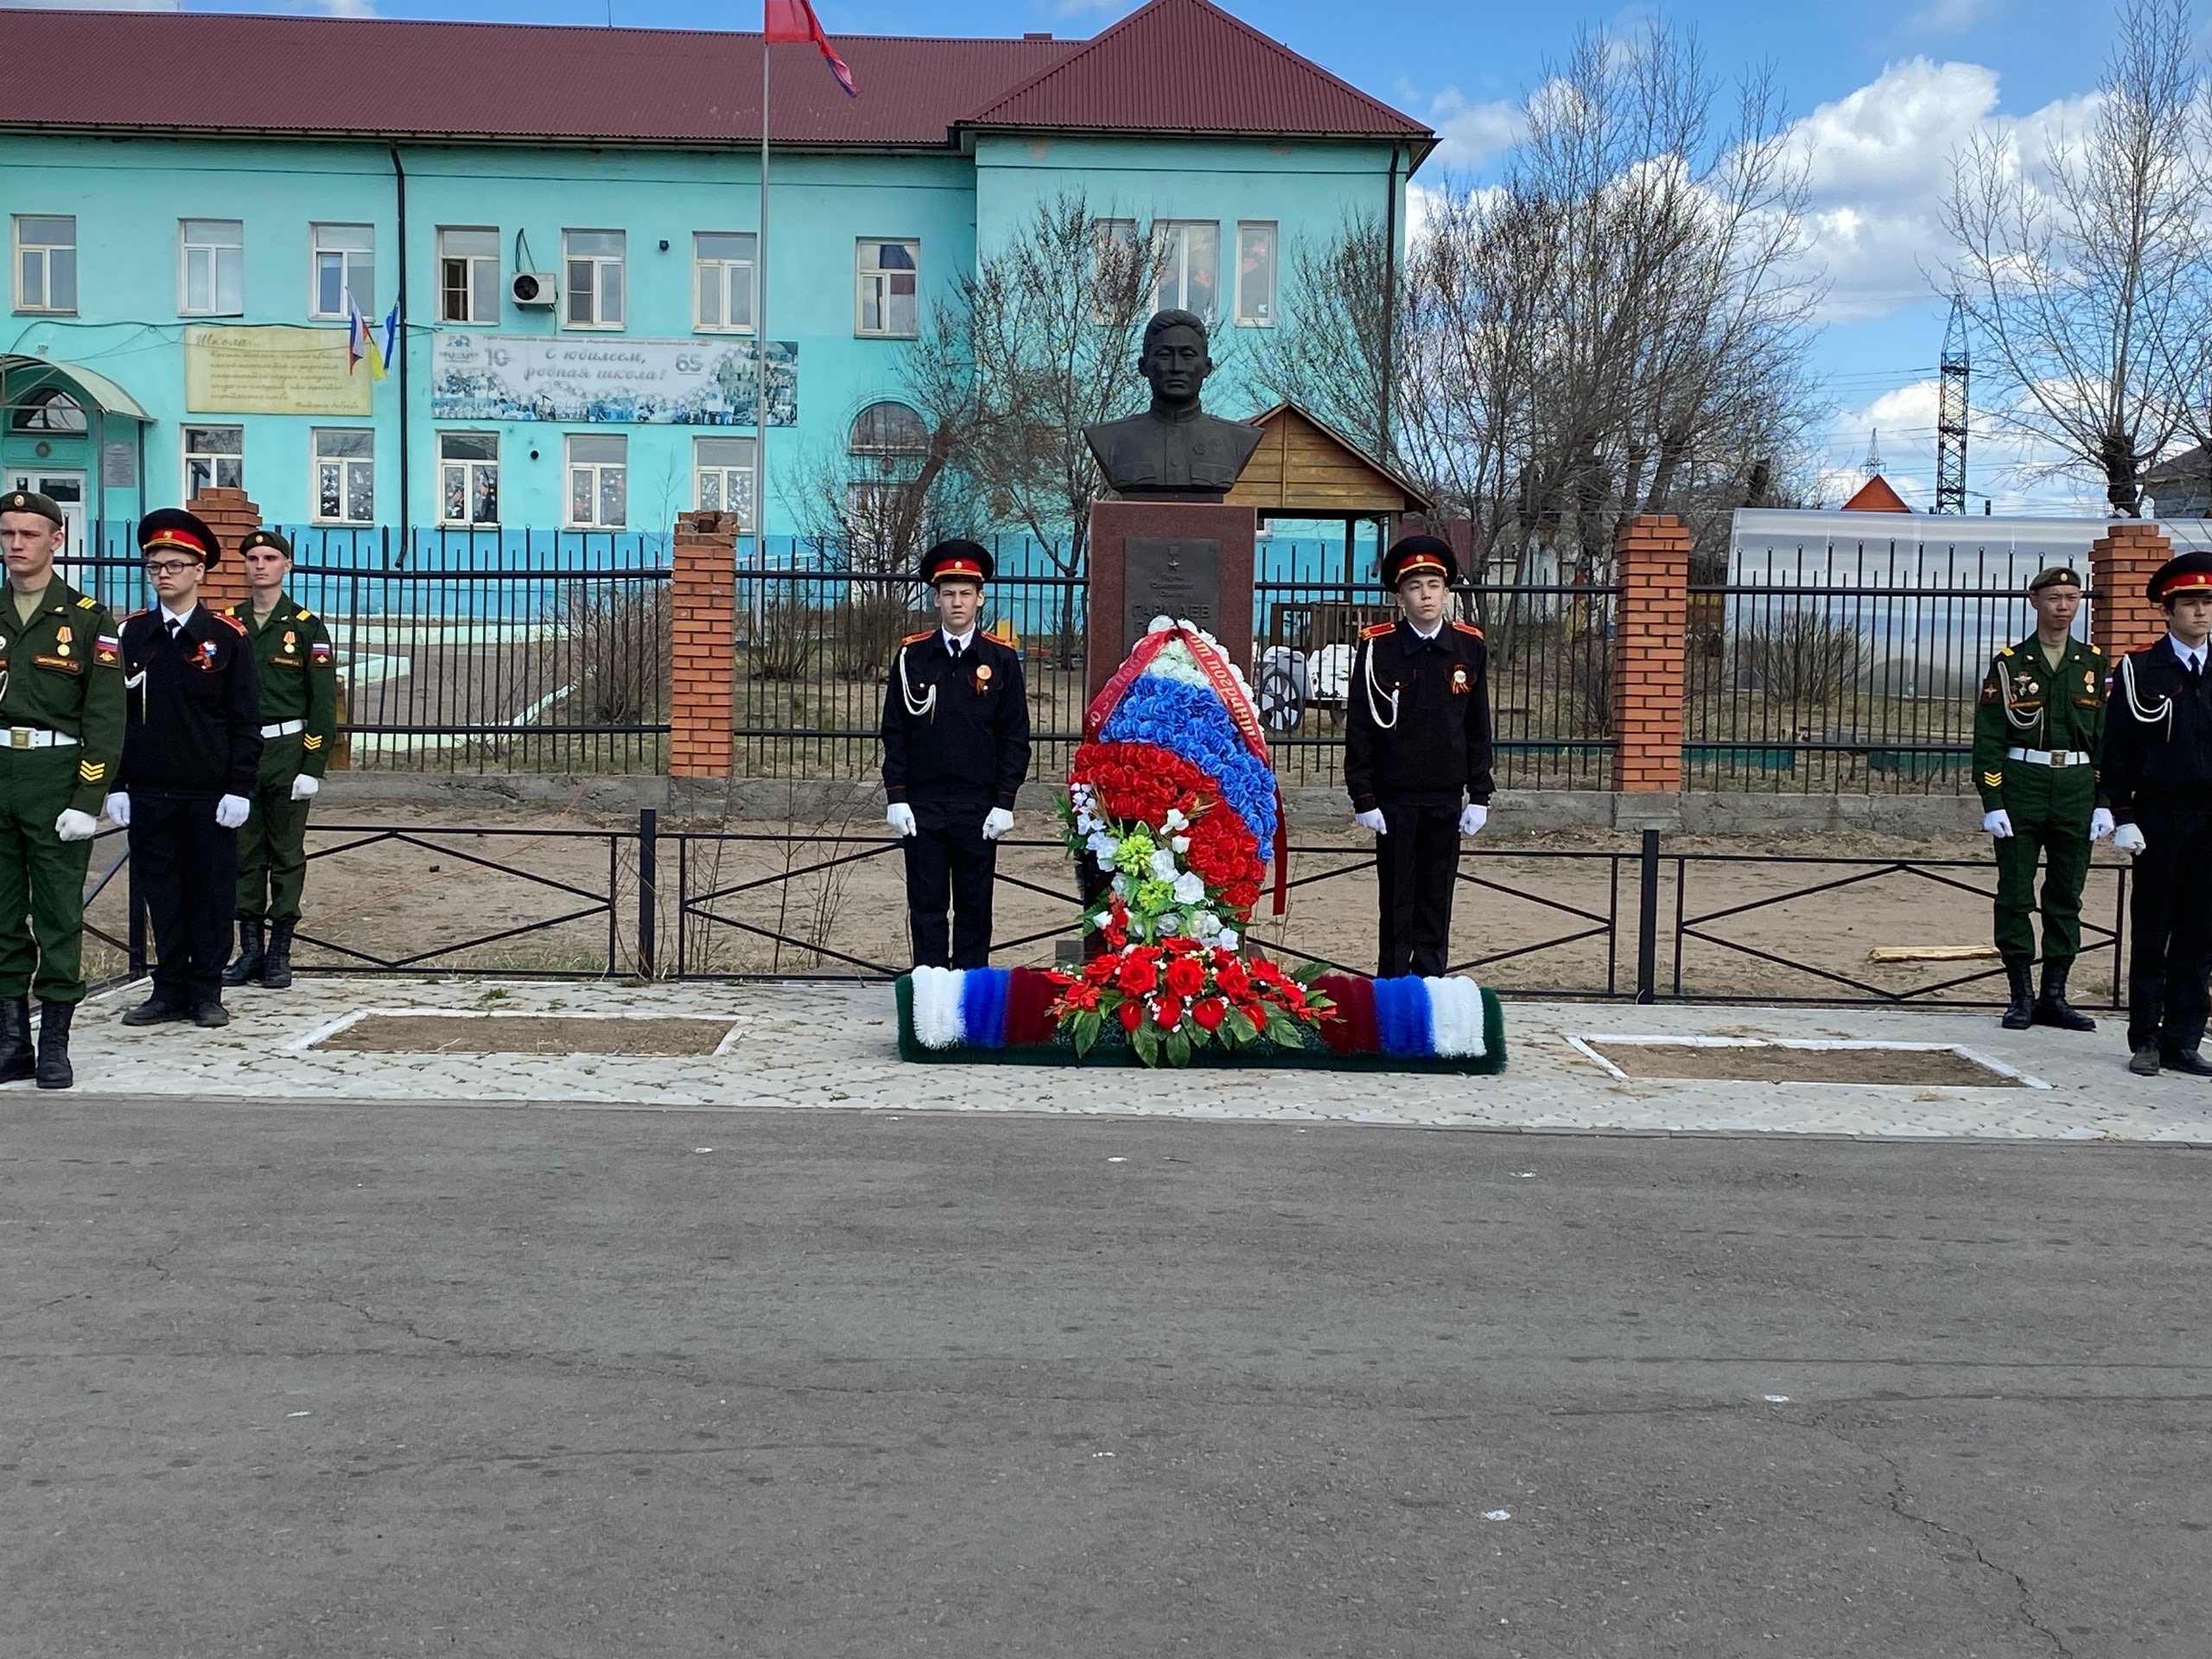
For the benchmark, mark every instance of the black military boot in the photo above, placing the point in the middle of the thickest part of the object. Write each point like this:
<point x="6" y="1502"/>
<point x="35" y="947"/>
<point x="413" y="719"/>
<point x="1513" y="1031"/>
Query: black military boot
<point x="54" y="1070"/>
<point x="17" y="1061"/>
<point x="245" y="966"/>
<point x="2052" y="1006"/>
<point x="2020" y="1013"/>
<point x="277" y="966"/>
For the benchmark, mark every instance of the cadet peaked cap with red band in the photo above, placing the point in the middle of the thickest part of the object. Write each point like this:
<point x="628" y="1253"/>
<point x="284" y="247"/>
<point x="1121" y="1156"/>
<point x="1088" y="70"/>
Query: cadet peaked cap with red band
<point x="969" y="560"/>
<point x="32" y="501"/>
<point x="264" y="538"/>
<point x="174" y="527"/>
<point x="2179" y="574"/>
<point x="1419" y="555"/>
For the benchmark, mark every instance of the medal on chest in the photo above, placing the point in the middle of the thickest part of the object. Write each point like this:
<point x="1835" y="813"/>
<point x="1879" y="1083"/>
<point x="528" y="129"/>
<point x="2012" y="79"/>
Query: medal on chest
<point x="291" y="642"/>
<point x="982" y="677"/>
<point x="205" y="660"/>
<point x="62" y="638"/>
<point x="1458" y="679"/>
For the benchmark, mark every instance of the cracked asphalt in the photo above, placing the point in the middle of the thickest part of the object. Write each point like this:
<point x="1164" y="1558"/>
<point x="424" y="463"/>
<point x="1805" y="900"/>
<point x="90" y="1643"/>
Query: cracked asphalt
<point x="329" y="1379"/>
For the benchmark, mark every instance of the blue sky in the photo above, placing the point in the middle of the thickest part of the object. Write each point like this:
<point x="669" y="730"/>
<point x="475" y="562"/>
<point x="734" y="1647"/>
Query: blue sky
<point x="1883" y="91"/>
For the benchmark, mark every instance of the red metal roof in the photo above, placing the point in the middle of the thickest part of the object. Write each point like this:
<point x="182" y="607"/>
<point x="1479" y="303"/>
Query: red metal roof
<point x="1875" y="495"/>
<point x="325" y="77"/>
<point x="1187" y="65"/>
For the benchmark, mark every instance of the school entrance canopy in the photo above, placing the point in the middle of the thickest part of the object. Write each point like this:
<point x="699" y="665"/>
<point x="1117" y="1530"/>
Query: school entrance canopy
<point x="62" y="418"/>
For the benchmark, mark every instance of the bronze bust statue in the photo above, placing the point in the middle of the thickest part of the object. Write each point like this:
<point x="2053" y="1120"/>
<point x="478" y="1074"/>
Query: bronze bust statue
<point x="1174" y="451"/>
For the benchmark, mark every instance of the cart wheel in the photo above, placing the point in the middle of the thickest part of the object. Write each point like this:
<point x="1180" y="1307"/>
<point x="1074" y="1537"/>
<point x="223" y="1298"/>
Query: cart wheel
<point x="1282" y="703"/>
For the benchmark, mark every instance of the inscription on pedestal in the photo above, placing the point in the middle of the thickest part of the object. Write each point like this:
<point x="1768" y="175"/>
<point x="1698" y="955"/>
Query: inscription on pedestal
<point x="1177" y="576"/>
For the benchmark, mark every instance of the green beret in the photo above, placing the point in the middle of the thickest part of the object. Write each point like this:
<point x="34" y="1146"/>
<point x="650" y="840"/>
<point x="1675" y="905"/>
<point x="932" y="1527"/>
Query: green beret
<point x="264" y="538"/>
<point x="32" y="501"/>
<point x="2054" y="576"/>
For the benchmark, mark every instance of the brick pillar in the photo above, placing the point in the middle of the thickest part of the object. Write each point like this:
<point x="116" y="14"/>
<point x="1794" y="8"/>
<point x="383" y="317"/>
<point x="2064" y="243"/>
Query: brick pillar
<point x="233" y="518"/>
<point x="2121" y="619"/>
<point x="703" y="611"/>
<point x="1651" y="628"/>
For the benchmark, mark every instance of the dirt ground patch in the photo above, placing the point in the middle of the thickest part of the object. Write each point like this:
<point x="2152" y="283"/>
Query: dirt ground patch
<point x="1776" y="1063"/>
<point x="526" y="1033"/>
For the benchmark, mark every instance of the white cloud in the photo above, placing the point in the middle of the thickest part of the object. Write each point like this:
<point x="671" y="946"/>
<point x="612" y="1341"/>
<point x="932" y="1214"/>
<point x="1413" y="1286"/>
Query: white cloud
<point x="1879" y="162"/>
<point x="1468" y="135"/>
<point x="2005" y="465"/>
<point x="344" y="8"/>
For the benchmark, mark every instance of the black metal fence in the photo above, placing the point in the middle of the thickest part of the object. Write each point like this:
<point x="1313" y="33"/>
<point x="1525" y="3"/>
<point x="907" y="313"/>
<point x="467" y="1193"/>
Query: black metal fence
<point x="1642" y="920"/>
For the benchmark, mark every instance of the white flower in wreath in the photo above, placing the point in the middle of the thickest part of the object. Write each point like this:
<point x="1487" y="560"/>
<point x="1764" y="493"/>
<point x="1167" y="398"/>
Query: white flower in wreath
<point x="1227" y="941"/>
<point x="1163" y="865"/>
<point x="1174" y="820"/>
<point x="1181" y="844"/>
<point x="1170" y="925"/>
<point x="1106" y="859"/>
<point x="1190" y="888"/>
<point x="1160" y="625"/>
<point x="1206" y="925"/>
<point x="1124" y="888"/>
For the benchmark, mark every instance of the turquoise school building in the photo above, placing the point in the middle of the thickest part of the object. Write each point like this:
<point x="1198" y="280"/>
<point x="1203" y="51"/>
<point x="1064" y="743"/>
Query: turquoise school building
<point x="218" y="225"/>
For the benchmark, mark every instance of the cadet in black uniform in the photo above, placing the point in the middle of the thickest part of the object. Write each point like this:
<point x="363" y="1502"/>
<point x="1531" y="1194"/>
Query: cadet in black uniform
<point x="191" y="747"/>
<point x="2156" y="777"/>
<point x="955" y="748"/>
<point x="1416" y="745"/>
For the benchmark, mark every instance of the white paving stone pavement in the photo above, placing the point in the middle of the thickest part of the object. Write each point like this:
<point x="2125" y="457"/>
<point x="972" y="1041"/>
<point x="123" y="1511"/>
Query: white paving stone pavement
<point x="798" y="1047"/>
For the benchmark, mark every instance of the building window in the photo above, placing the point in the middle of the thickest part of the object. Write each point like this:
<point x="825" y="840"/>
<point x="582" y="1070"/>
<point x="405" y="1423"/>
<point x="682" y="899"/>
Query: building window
<point x="598" y="482"/>
<point x="469" y="275"/>
<point x="46" y="264"/>
<point x="1189" y="267"/>
<point x="345" y="475"/>
<point x="889" y="430"/>
<point x="722" y="475"/>
<point x="345" y="267"/>
<point x="214" y="459"/>
<point x="469" y="478"/>
<point x="725" y="281"/>
<point x="211" y="275"/>
<point x="1256" y="274"/>
<point x="884" y="300"/>
<point x="48" y="410"/>
<point x="594" y="261"/>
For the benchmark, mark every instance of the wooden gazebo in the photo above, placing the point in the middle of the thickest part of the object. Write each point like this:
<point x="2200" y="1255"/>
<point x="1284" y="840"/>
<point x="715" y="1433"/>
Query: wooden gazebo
<point x="1305" y="469"/>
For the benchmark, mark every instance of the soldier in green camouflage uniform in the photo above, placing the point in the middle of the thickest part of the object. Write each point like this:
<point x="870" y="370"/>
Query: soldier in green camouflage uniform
<point x="2037" y="728"/>
<point x="60" y="737"/>
<point x="291" y="652"/>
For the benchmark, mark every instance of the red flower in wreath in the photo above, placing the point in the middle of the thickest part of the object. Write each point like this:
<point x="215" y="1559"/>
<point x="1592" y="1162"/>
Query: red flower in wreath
<point x="1185" y="977"/>
<point x="1129" y="1013"/>
<point x="1209" y="1011"/>
<point x="1137" y="974"/>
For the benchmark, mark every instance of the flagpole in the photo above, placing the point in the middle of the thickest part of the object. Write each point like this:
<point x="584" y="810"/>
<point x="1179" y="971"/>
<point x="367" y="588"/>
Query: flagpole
<point x="760" y="327"/>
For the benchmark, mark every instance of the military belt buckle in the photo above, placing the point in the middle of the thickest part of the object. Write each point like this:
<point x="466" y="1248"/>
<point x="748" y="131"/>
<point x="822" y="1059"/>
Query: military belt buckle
<point x="19" y="737"/>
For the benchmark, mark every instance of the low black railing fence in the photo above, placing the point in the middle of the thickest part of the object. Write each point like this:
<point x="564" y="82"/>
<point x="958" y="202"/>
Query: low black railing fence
<point x="1646" y="920"/>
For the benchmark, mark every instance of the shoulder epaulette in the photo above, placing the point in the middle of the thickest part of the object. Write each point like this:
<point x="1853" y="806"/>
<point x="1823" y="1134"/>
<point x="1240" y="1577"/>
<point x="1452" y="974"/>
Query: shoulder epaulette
<point x="304" y="616"/>
<point x="2006" y="651"/>
<point x="131" y="615"/>
<point x="1376" y="629"/>
<point x="85" y="602"/>
<point x="224" y="616"/>
<point x="916" y="639"/>
<point x="1468" y="627"/>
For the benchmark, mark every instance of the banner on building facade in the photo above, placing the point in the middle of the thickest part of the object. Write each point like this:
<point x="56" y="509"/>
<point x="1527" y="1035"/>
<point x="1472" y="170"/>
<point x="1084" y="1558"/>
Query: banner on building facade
<point x="279" y="370"/>
<point x="693" y="382"/>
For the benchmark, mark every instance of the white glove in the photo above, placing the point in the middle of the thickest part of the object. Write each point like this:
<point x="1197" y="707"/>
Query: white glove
<point x="1998" y="824"/>
<point x="1471" y="819"/>
<point x="996" y="823"/>
<point x="73" y="825"/>
<point x="118" y="808"/>
<point x="2128" y="839"/>
<point x="305" y="788"/>
<point x="1371" y="821"/>
<point x="901" y="817"/>
<point x="2100" y="823"/>
<point x="231" y="811"/>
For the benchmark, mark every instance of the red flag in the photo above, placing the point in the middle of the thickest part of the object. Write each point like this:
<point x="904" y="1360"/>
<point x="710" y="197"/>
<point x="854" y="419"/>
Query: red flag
<point x="794" y="20"/>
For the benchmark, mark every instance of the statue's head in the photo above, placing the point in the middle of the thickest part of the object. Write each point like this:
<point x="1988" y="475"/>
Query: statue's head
<point x="1174" y="359"/>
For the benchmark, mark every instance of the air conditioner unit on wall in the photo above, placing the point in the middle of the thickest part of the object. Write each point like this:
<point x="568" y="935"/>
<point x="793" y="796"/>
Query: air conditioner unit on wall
<point x="532" y="288"/>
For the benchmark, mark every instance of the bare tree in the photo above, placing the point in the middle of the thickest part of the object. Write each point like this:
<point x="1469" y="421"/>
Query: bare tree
<point x="1337" y="352"/>
<point x="2084" y="274"/>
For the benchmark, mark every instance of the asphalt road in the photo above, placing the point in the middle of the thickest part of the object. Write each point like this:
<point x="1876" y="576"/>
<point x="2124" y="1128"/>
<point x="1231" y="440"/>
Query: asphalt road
<point x="338" y="1380"/>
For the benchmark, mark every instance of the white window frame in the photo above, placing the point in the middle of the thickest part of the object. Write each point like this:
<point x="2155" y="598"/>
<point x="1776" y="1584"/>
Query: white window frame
<point x="215" y="458"/>
<point x="870" y="277"/>
<point x="351" y="468"/>
<point x="357" y="268"/>
<point x="472" y="260"/>
<point x="597" y="468"/>
<point x="720" y="474"/>
<point x="43" y="252"/>
<point x="214" y="250"/>
<point x="1174" y="236"/>
<point x="732" y="279"/>
<point x="473" y="469"/>
<point x="1245" y="315"/>
<point x="595" y="289"/>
